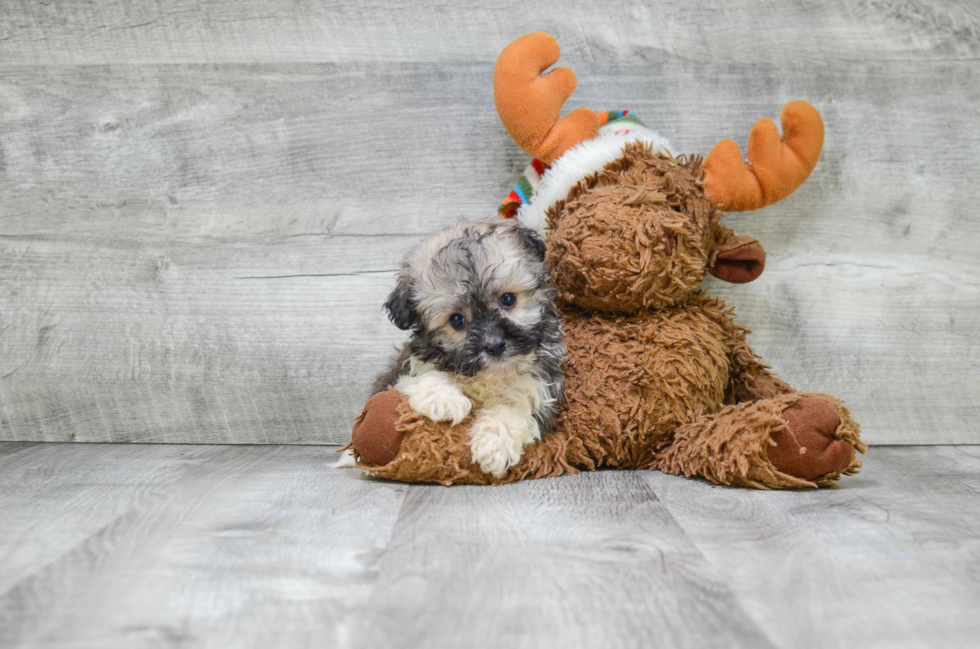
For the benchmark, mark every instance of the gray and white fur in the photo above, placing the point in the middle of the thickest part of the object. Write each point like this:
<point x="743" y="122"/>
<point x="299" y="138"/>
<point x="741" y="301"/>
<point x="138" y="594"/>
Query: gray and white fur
<point x="479" y="302"/>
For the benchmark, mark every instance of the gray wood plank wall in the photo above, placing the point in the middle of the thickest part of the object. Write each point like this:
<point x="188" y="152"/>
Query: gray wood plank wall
<point x="202" y="203"/>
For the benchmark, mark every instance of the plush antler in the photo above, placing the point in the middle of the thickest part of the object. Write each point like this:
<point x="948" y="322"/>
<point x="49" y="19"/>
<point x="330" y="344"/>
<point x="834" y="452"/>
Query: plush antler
<point x="529" y="103"/>
<point x="775" y="166"/>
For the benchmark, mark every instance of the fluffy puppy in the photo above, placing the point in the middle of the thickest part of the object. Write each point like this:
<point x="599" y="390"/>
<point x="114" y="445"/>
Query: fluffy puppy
<point x="485" y="334"/>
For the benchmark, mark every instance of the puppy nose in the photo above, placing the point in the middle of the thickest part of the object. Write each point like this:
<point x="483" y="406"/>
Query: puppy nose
<point x="496" y="346"/>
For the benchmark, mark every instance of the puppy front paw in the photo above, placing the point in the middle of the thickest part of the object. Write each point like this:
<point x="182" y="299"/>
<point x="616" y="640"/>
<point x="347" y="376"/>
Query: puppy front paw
<point x="442" y="405"/>
<point x="497" y="440"/>
<point x="432" y="396"/>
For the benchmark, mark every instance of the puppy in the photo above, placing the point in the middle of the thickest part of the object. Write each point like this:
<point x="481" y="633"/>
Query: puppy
<point x="485" y="334"/>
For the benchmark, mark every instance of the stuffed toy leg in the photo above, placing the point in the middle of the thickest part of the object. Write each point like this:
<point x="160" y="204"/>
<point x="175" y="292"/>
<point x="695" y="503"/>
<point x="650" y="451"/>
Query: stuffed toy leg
<point x="792" y="441"/>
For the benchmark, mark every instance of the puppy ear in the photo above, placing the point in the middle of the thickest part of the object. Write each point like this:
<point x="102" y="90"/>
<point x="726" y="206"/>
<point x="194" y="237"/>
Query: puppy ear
<point x="532" y="242"/>
<point x="400" y="307"/>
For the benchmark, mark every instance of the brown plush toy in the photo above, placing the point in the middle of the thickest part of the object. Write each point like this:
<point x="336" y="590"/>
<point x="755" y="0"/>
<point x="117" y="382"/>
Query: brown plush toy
<point x="658" y="374"/>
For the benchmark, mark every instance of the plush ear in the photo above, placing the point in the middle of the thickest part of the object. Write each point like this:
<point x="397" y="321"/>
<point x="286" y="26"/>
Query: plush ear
<point x="401" y="307"/>
<point x="738" y="260"/>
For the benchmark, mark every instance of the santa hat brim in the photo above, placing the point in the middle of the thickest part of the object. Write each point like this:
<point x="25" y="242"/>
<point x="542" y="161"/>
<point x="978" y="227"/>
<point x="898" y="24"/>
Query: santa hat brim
<point x="580" y="162"/>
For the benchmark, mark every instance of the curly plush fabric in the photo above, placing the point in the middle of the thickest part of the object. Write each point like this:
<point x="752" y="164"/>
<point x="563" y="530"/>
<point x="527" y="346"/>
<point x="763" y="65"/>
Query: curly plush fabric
<point x="637" y="235"/>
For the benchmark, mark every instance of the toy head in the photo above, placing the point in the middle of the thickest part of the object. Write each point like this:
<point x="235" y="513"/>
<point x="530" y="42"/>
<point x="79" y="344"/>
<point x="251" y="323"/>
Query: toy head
<point x="628" y="225"/>
<point x="642" y="234"/>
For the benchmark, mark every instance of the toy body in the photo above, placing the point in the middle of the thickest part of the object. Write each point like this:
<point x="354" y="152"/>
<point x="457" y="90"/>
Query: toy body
<point x="637" y="399"/>
<point x="658" y="374"/>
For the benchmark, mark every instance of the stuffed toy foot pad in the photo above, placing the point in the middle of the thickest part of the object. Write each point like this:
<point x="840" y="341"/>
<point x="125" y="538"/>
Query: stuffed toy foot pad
<point x="376" y="437"/>
<point x="808" y="448"/>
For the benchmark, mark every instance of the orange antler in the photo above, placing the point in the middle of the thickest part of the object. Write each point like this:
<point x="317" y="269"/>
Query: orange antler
<point x="529" y="103"/>
<point x="775" y="166"/>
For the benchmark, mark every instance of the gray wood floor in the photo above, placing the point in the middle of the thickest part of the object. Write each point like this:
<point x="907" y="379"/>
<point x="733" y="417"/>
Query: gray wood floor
<point x="202" y="203"/>
<point x="238" y="546"/>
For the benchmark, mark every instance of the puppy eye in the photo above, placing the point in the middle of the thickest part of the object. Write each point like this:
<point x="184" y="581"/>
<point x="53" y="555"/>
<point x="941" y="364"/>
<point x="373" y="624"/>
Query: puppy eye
<point x="457" y="321"/>
<point x="507" y="300"/>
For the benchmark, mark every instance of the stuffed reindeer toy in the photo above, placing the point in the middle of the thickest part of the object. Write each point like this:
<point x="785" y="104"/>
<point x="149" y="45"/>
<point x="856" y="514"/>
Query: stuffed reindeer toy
<point x="658" y="375"/>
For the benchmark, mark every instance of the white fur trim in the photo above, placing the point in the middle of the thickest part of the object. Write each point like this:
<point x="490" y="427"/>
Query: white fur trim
<point x="581" y="161"/>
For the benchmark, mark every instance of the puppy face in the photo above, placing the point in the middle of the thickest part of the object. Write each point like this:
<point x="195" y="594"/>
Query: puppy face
<point x="477" y="297"/>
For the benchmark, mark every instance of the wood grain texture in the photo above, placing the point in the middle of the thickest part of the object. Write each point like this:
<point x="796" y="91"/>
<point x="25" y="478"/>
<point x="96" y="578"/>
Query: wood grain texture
<point x="9" y="448"/>
<point x="590" y="561"/>
<point x="845" y="567"/>
<point x="201" y="205"/>
<point x="264" y="546"/>
<point x="59" y="496"/>
<point x="742" y="31"/>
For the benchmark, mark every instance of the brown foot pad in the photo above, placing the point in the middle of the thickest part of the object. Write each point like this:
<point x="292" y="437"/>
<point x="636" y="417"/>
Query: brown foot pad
<point x="807" y="448"/>
<point x="375" y="437"/>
